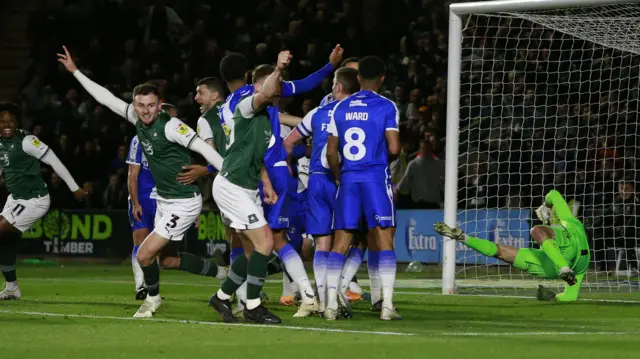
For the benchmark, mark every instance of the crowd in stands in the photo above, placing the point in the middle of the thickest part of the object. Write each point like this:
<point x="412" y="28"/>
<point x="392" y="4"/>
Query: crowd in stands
<point x="175" y="43"/>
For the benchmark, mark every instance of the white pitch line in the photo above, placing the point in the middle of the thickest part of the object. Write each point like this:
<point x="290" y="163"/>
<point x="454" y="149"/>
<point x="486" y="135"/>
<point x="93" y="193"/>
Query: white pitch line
<point x="178" y="321"/>
<point x="317" y="329"/>
<point x="517" y="334"/>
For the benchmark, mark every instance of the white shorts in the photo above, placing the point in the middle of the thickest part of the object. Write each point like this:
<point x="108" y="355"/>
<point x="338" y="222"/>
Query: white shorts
<point x="175" y="216"/>
<point x="23" y="213"/>
<point x="240" y="205"/>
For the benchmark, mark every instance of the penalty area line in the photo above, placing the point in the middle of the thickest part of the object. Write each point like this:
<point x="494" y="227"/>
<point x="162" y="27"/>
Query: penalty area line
<point x="197" y="322"/>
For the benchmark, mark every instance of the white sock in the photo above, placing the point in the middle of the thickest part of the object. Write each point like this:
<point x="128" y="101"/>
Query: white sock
<point x="222" y="295"/>
<point x="294" y="266"/>
<point x="374" y="276"/>
<point x="351" y="266"/>
<point x="13" y="286"/>
<point x="388" y="276"/>
<point x="335" y="265"/>
<point x="320" y="275"/>
<point x="241" y="293"/>
<point x="287" y="289"/>
<point x="252" y="303"/>
<point x="138" y="275"/>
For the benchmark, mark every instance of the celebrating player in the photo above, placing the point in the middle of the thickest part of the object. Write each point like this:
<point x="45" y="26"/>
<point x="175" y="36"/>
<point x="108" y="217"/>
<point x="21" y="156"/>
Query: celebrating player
<point x="364" y="130"/>
<point x="564" y="249"/>
<point x="166" y="142"/>
<point x="235" y="191"/>
<point x="322" y="184"/>
<point x="28" y="199"/>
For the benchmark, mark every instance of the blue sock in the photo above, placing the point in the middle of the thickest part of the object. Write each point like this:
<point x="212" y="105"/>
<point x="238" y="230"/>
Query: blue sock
<point x="235" y="252"/>
<point x="286" y="252"/>
<point x="134" y="252"/>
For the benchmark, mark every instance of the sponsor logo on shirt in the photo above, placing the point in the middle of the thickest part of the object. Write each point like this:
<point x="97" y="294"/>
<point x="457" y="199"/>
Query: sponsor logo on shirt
<point x="147" y="147"/>
<point x="183" y="129"/>
<point x="357" y="103"/>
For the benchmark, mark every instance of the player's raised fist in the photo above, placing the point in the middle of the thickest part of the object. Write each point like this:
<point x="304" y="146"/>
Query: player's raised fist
<point x="66" y="60"/>
<point x="80" y="194"/>
<point x="336" y="56"/>
<point x="284" y="59"/>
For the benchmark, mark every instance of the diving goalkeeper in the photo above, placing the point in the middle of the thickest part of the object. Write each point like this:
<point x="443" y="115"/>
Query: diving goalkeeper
<point x="564" y="249"/>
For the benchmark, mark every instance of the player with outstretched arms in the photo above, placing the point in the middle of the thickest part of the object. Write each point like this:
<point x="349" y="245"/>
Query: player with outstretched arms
<point x="364" y="130"/>
<point x="235" y="191"/>
<point x="142" y="212"/>
<point x="322" y="184"/>
<point x="28" y="201"/>
<point x="167" y="143"/>
<point x="563" y="254"/>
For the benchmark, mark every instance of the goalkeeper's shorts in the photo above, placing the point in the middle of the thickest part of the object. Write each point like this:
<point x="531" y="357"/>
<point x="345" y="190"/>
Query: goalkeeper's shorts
<point x="536" y="262"/>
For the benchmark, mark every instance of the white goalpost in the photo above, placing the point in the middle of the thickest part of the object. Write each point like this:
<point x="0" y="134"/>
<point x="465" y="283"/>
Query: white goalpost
<point x="542" y="94"/>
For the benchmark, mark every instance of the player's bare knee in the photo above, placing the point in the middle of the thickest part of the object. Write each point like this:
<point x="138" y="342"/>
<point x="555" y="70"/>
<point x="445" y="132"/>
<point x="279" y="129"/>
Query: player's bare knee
<point x="323" y="243"/>
<point x="139" y="235"/>
<point x="144" y="258"/>
<point x="342" y="241"/>
<point x="541" y="233"/>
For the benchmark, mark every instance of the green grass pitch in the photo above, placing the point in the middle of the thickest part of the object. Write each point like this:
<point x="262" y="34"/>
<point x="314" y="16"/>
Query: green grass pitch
<point x="85" y="311"/>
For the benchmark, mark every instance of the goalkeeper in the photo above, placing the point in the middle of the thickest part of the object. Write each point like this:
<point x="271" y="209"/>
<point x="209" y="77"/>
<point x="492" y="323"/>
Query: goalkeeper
<point x="563" y="253"/>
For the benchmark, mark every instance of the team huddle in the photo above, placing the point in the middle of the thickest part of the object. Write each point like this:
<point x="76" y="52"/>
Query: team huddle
<point x="275" y="196"/>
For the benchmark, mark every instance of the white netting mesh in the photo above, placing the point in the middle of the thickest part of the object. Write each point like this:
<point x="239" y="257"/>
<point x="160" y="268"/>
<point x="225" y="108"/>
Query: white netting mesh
<point x="550" y="99"/>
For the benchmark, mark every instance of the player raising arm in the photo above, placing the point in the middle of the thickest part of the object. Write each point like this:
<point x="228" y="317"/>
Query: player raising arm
<point x="235" y="191"/>
<point x="563" y="254"/>
<point x="322" y="184"/>
<point x="166" y="142"/>
<point x="364" y="130"/>
<point x="28" y="198"/>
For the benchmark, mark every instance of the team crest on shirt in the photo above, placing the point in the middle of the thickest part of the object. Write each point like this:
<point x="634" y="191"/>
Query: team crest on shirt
<point x="182" y="129"/>
<point x="147" y="147"/>
<point x="35" y="142"/>
<point x="226" y="129"/>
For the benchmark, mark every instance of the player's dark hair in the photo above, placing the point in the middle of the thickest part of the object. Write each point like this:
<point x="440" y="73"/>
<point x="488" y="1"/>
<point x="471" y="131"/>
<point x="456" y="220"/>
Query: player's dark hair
<point x="213" y="84"/>
<point x="146" y="89"/>
<point x="233" y="67"/>
<point x="261" y="72"/>
<point x="12" y="108"/>
<point x="348" y="78"/>
<point x="348" y="60"/>
<point x="371" y="68"/>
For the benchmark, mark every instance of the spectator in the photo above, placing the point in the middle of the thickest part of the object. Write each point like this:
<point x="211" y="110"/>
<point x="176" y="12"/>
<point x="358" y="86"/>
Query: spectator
<point x="424" y="179"/>
<point x="114" y="195"/>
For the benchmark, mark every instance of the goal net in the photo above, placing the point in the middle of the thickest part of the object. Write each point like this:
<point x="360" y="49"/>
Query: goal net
<point x="550" y="99"/>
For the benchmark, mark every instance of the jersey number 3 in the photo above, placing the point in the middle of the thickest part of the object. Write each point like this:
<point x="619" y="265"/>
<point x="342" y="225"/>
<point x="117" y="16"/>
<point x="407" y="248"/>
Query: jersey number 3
<point x="354" y="149"/>
<point x="173" y="222"/>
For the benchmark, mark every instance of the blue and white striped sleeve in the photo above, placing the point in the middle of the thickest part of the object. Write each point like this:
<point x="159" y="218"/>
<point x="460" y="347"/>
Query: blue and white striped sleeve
<point x="135" y="152"/>
<point x="304" y="127"/>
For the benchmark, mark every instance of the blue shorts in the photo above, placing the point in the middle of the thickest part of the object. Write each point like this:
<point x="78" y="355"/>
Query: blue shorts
<point x="297" y="228"/>
<point x="277" y="215"/>
<point x="368" y="199"/>
<point x="321" y="199"/>
<point x="148" y="214"/>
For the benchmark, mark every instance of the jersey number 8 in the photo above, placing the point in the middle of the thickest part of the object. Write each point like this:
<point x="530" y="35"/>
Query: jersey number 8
<point x="354" y="138"/>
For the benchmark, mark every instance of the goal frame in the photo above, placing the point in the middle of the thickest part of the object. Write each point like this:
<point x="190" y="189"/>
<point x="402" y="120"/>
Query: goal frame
<point x="456" y="11"/>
